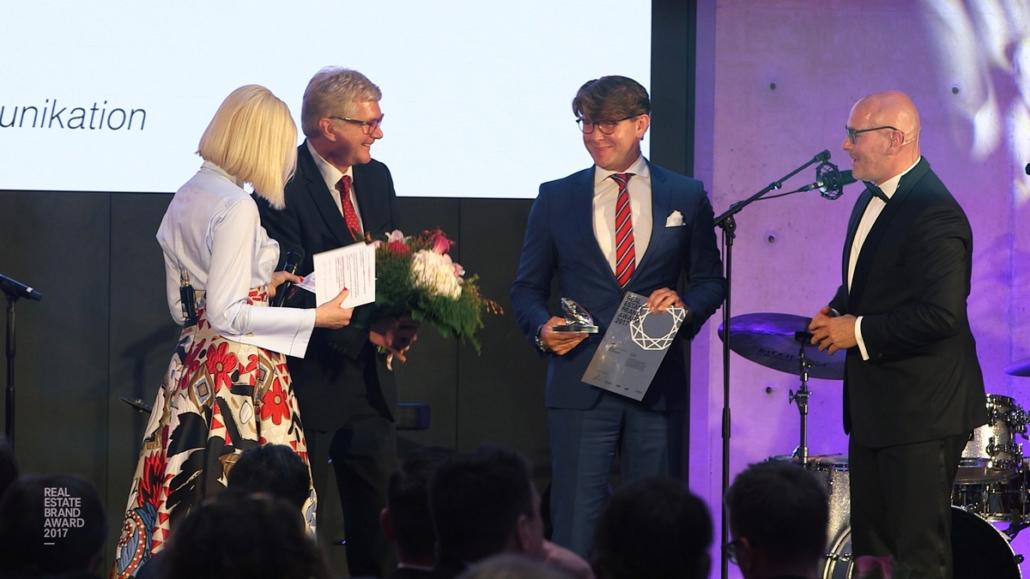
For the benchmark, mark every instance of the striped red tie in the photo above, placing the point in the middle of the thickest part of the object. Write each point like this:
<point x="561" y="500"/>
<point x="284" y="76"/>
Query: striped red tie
<point x="625" y="252"/>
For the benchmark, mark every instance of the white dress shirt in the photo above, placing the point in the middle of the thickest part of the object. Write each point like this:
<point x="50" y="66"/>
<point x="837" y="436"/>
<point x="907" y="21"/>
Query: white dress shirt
<point x="606" y="193"/>
<point x="213" y="231"/>
<point x="331" y="175"/>
<point x="872" y="212"/>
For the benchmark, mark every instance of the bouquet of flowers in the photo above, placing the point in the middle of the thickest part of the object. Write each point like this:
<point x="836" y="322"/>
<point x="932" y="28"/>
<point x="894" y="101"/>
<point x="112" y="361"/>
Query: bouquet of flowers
<point x="416" y="276"/>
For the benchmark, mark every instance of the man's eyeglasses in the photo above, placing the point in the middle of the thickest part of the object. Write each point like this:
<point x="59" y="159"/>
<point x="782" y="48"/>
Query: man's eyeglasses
<point x="606" y="127"/>
<point x="854" y="133"/>
<point x="367" y="127"/>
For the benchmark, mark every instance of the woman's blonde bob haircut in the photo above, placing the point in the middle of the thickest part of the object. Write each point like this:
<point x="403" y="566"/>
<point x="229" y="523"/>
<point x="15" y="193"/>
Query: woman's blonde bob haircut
<point x="253" y="138"/>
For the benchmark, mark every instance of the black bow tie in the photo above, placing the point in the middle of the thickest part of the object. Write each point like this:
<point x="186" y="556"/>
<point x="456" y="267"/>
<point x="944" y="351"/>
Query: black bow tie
<point x="877" y="192"/>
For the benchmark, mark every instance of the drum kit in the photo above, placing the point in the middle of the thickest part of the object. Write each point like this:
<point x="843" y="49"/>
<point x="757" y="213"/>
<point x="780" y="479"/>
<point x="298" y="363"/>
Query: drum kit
<point x="993" y="480"/>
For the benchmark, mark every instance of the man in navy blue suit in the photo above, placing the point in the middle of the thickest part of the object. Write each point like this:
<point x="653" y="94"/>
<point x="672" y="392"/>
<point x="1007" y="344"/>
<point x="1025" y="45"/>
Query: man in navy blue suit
<point x="622" y="225"/>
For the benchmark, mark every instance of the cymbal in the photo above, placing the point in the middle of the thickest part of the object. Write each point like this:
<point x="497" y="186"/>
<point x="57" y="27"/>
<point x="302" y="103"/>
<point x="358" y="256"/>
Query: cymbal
<point x="1020" y="368"/>
<point x="775" y="341"/>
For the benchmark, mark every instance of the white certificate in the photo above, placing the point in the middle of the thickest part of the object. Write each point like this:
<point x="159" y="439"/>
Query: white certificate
<point x="352" y="267"/>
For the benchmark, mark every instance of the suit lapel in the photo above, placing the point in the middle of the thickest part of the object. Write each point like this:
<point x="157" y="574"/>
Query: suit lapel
<point x="880" y="227"/>
<point x="661" y="205"/>
<point x="321" y="197"/>
<point x="856" y="218"/>
<point x="369" y="200"/>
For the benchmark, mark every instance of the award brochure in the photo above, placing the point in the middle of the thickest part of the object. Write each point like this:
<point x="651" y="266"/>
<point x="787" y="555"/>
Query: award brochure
<point x="633" y="347"/>
<point x="352" y="267"/>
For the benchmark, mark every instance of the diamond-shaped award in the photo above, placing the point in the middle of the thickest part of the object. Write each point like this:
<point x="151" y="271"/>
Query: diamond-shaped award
<point x="577" y="319"/>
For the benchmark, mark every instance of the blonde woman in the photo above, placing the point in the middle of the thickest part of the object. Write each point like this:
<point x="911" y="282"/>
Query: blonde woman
<point x="227" y="387"/>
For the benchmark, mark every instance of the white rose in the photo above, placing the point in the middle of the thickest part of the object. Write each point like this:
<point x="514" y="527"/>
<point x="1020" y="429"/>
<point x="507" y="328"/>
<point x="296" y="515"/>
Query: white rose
<point x="435" y="272"/>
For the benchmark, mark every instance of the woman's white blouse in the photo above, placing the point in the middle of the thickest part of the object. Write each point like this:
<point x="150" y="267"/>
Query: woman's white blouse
<point x="212" y="230"/>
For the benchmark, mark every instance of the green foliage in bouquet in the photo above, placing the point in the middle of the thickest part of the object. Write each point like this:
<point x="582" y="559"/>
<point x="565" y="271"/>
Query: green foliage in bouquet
<point x="415" y="276"/>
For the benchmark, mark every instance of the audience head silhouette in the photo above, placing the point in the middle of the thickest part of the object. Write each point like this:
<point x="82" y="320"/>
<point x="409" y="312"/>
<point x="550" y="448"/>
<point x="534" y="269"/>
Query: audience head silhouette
<point x="654" y="528"/>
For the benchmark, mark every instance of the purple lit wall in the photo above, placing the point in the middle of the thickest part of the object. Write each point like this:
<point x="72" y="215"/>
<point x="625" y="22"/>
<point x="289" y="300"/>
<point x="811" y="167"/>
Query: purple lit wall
<point x="776" y="80"/>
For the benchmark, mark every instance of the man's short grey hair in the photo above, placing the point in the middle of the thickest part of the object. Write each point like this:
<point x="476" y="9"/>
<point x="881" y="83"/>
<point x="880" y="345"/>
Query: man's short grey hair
<point x="331" y="92"/>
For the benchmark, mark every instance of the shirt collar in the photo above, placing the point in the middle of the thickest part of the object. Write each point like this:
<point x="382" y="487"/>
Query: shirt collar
<point x="330" y="174"/>
<point x="890" y="186"/>
<point x="208" y="165"/>
<point x="639" y="168"/>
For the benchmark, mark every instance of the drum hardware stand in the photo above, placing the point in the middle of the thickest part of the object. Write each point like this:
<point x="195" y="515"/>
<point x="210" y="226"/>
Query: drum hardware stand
<point x="1015" y="527"/>
<point x="800" y="398"/>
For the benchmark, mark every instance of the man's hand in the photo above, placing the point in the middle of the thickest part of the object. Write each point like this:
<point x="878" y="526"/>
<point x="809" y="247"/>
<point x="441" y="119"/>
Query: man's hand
<point x="662" y="298"/>
<point x="833" y="333"/>
<point x="560" y="343"/>
<point x="395" y="335"/>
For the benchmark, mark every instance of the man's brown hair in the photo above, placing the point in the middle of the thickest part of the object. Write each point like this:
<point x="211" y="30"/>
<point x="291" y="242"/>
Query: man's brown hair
<point x="611" y="98"/>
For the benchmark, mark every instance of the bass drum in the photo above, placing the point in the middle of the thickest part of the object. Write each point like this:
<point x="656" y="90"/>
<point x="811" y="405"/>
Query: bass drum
<point x="979" y="549"/>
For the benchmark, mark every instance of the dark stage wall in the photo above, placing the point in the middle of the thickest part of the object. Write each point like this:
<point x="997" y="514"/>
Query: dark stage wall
<point x="103" y="332"/>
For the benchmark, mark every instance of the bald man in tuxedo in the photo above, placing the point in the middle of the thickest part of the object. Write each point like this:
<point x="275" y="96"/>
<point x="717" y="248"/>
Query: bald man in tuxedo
<point x="913" y="389"/>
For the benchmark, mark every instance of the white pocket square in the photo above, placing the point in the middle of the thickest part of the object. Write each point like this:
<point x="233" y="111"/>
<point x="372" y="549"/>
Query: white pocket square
<point x="675" y="219"/>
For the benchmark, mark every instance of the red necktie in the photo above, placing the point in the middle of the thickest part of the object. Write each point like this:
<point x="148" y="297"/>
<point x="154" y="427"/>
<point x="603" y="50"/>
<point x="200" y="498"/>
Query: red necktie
<point x="625" y="252"/>
<point x="350" y="215"/>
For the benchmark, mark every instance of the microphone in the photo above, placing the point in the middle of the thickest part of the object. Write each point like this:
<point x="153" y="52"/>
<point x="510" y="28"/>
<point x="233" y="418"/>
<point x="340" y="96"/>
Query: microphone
<point x="1028" y="168"/>
<point x="16" y="289"/>
<point x="830" y="181"/>
<point x="290" y="265"/>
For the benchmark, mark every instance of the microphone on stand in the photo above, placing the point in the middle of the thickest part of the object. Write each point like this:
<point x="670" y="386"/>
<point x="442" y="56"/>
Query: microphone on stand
<point x="16" y="289"/>
<point x="830" y="181"/>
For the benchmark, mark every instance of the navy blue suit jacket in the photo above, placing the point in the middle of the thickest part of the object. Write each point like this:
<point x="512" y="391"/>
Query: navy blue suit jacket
<point x="560" y="241"/>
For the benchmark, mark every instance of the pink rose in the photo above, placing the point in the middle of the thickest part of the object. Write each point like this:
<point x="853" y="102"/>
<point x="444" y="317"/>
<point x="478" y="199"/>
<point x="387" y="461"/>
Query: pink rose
<point x="441" y="244"/>
<point x="398" y="247"/>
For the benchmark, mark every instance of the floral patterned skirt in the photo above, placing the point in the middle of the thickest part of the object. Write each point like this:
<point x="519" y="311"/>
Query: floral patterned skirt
<point x="218" y="399"/>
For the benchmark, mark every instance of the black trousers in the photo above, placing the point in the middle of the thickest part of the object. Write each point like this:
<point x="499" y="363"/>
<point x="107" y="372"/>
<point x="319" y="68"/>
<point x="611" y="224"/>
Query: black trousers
<point x="361" y="456"/>
<point x="901" y="503"/>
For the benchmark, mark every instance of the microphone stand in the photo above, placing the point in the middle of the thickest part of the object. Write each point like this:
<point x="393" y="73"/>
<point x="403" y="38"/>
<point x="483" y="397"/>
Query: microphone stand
<point x="13" y="290"/>
<point x="9" y="391"/>
<point x="728" y="224"/>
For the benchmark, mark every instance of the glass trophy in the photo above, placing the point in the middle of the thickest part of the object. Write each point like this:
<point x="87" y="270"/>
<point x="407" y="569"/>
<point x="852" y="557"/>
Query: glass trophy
<point x="577" y="319"/>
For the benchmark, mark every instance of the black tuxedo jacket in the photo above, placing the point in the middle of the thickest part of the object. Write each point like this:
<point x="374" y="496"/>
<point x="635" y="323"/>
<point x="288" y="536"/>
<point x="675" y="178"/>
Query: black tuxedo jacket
<point x="337" y="361"/>
<point x="910" y="285"/>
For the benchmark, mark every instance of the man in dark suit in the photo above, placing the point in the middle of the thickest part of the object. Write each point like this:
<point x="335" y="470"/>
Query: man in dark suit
<point x="622" y="225"/>
<point x="348" y="399"/>
<point x="913" y="390"/>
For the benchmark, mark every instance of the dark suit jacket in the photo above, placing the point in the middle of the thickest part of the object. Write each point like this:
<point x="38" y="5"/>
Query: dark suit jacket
<point x="337" y="361"/>
<point x="560" y="240"/>
<point x="911" y="281"/>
